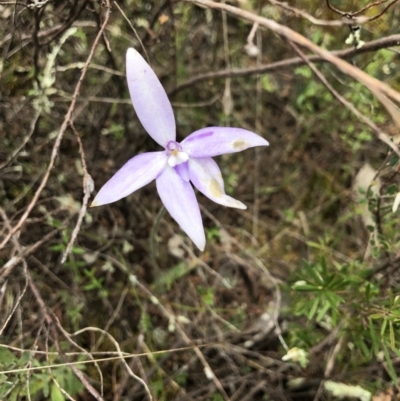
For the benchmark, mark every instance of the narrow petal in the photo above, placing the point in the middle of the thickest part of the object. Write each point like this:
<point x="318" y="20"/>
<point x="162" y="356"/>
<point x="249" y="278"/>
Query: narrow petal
<point x="183" y="171"/>
<point x="149" y="99"/>
<point x="214" y="141"/>
<point x="179" y="199"/>
<point x="136" y="173"/>
<point x="207" y="178"/>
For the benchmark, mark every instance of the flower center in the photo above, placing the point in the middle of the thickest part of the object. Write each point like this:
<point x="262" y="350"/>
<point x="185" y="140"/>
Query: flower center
<point x="175" y="154"/>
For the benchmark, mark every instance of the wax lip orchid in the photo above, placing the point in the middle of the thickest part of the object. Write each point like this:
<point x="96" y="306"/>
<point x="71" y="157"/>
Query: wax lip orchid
<point x="179" y="164"/>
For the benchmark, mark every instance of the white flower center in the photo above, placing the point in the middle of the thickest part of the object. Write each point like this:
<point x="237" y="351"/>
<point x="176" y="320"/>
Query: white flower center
<point x="175" y="154"/>
<point x="177" y="158"/>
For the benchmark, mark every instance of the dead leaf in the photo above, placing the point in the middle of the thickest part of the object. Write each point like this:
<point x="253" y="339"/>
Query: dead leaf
<point x="384" y="395"/>
<point x="162" y="19"/>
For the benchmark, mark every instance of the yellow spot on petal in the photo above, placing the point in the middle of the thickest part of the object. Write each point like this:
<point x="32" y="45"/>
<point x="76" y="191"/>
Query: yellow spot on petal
<point x="94" y="204"/>
<point x="240" y="144"/>
<point x="174" y="152"/>
<point x="215" y="188"/>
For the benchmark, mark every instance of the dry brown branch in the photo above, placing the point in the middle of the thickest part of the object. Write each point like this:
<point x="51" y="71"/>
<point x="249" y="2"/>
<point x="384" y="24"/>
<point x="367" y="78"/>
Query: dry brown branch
<point x="393" y="40"/>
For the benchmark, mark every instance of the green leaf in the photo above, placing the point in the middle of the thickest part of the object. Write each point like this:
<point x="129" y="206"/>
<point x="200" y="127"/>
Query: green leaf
<point x="56" y="394"/>
<point x="78" y="251"/>
<point x="217" y="397"/>
<point x="393" y="160"/>
<point x="322" y="312"/>
<point x="303" y="71"/>
<point x="171" y="275"/>
<point x="57" y="247"/>
<point x="366" y="350"/>
<point x="207" y="295"/>
<point x="391" y="335"/>
<point x="305" y="287"/>
<point x="389" y="363"/>
<point x="268" y="84"/>
<point x="374" y="338"/>
<point x="392" y="189"/>
<point x="14" y="396"/>
<point x="7" y="358"/>
<point x="313" y="308"/>
<point x="322" y="262"/>
<point x="383" y="328"/>
<point x="376" y="316"/>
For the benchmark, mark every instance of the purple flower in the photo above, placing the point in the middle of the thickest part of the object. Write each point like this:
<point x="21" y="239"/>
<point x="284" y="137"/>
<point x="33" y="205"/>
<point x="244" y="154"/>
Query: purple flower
<point x="179" y="163"/>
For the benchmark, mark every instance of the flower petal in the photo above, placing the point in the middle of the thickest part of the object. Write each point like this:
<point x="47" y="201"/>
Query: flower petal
<point x="136" y="173"/>
<point x="183" y="171"/>
<point x="214" y="141"/>
<point x="149" y="99"/>
<point x="207" y="178"/>
<point x="179" y="199"/>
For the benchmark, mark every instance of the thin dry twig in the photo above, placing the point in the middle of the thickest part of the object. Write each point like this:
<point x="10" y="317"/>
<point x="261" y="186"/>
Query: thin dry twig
<point x="257" y="150"/>
<point x="113" y="317"/>
<point x="7" y="268"/>
<point x="51" y="370"/>
<point x="133" y="29"/>
<point x="227" y="101"/>
<point x="351" y="14"/>
<point x="20" y="250"/>
<point x="24" y="142"/>
<point x="316" y="21"/>
<point x="18" y="301"/>
<point x="116" y="356"/>
<point x="88" y="188"/>
<point x="123" y="360"/>
<point x="348" y="18"/>
<point x="84" y="352"/>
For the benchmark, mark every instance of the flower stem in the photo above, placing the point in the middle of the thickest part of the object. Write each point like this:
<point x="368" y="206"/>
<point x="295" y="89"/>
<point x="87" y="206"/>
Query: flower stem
<point x="152" y="241"/>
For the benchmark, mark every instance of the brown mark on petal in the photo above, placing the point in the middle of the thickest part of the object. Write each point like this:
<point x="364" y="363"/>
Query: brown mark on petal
<point x="215" y="188"/>
<point x="240" y="144"/>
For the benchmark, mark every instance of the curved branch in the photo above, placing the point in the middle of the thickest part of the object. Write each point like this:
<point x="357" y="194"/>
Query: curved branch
<point x="377" y="87"/>
<point x="393" y="40"/>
